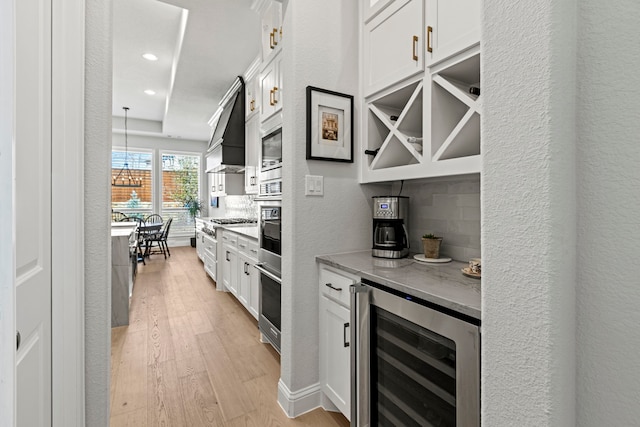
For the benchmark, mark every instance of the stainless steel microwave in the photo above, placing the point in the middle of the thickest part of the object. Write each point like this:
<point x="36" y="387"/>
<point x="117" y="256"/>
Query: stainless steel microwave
<point x="271" y="156"/>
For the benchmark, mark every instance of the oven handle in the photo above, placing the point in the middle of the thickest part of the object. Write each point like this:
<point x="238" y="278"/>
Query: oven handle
<point x="270" y="275"/>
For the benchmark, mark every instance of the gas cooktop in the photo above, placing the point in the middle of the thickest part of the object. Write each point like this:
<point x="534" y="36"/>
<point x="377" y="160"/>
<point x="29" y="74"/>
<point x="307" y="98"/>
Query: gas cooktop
<point x="229" y="221"/>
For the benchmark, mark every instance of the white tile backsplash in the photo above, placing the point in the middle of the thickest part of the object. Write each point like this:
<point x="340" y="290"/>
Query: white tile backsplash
<point x="450" y="209"/>
<point x="240" y="206"/>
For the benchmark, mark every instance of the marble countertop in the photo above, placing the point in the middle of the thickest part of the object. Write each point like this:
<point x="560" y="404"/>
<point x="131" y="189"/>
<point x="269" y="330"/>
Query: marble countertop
<point x="250" y="231"/>
<point x="122" y="229"/>
<point x="443" y="284"/>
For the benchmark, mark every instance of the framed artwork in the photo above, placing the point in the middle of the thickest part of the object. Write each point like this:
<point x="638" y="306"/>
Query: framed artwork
<point x="329" y="125"/>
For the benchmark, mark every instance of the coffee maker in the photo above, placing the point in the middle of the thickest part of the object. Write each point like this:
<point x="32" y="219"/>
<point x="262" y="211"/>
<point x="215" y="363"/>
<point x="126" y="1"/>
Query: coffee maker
<point x="390" y="222"/>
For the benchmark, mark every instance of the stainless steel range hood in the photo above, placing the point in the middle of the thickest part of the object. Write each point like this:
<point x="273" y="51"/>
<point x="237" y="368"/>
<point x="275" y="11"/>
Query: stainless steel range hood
<point x="226" y="150"/>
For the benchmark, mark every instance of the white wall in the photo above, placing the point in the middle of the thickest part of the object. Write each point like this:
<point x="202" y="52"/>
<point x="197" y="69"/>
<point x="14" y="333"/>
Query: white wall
<point x="320" y="49"/>
<point x="608" y="290"/>
<point x="97" y="211"/>
<point x="528" y="213"/>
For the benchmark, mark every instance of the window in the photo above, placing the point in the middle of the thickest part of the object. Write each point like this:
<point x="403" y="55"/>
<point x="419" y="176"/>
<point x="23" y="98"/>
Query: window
<point x="180" y="189"/>
<point x="133" y="201"/>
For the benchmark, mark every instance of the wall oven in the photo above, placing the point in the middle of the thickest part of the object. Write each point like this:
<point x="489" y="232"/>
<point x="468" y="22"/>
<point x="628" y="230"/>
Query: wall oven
<point x="413" y="363"/>
<point x="269" y="266"/>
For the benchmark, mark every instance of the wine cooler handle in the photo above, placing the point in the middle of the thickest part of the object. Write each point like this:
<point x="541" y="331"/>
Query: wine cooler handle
<point x="344" y="334"/>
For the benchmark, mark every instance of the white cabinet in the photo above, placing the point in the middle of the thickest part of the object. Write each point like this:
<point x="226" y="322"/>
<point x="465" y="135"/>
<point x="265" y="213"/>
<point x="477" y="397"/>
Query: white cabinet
<point x="223" y="184"/>
<point x="271" y="87"/>
<point x="252" y="147"/>
<point x="452" y="26"/>
<point x="335" y="361"/>
<point x="200" y="245"/>
<point x="239" y="276"/>
<point x="452" y="113"/>
<point x="371" y="8"/>
<point x="248" y="275"/>
<point x="426" y="124"/>
<point x="393" y="45"/>
<point x="271" y="21"/>
<point x="252" y="92"/>
<point x="230" y="262"/>
<point x="210" y="256"/>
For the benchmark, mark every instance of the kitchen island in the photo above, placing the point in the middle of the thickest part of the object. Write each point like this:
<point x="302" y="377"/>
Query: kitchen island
<point x="122" y="270"/>
<point x="442" y="284"/>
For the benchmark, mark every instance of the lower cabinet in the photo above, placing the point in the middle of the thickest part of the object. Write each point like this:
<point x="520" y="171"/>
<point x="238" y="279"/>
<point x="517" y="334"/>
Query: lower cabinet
<point x="239" y="255"/>
<point x="200" y="244"/>
<point x="335" y="345"/>
<point x="230" y="262"/>
<point x="248" y="276"/>
<point x="210" y="256"/>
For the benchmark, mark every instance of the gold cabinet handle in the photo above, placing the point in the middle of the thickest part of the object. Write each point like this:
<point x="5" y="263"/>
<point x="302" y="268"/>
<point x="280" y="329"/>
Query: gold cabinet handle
<point x="429" y="34"/>
<point x="271" y="102"/>
<point x="415" y="45"/>
<point x="271" y="40"/>
<point x="275" y="101"/>
<point x="275" y="31"/>
<point x="252" y="105"/>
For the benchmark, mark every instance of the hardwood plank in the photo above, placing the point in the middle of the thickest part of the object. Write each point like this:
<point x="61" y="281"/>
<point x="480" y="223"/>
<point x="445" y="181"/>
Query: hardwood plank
<point x="160" y="346"/>
<point x="131" y="382"/>
<point x="201" y="405"/>
<point x="230" y="391"/>
<point x="118" y="335"/>
<point x="164" y="400"/>
<point x="185" y="344"/>
<point x="135" y="418"/>
<point x="200" y="322"/>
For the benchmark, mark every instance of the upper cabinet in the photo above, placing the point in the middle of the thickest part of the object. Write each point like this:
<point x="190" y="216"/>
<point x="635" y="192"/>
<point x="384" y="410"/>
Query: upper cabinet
<point x="252" y="93"/>
<point x="371" y="8"/>
<point x="271" y="20"/>
<point x="251" y="185"/>
<point x="421" y="122"/>
<point x="271" y="87"/>
<point x="452" y="26"/>
<point x="393" y="45"/>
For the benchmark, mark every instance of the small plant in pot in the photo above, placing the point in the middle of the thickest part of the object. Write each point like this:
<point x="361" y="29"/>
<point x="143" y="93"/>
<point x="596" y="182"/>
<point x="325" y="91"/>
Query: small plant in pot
<point x="431" y="245"/>
<point x="194" y="206"/>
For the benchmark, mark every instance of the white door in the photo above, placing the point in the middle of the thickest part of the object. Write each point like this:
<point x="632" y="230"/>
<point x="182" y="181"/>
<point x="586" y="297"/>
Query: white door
<point x="33" y="211"/>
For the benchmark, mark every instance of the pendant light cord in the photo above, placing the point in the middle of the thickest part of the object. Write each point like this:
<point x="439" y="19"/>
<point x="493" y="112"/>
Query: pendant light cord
<point x="126" y="151"/>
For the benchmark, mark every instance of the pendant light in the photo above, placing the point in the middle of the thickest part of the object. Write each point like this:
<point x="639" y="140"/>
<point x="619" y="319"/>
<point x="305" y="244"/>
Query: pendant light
<point x="124" y="177"/>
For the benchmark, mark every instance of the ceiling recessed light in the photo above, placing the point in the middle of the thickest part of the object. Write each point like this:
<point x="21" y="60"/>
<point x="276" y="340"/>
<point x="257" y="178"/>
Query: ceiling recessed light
<point x="150" y="92"/>
<point x="150" y="57"/>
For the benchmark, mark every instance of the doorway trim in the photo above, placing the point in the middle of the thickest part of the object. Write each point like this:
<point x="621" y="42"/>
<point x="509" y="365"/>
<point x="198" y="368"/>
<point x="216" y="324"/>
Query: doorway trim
<point x="67" y="169"/>
<point x="68" y="393"/>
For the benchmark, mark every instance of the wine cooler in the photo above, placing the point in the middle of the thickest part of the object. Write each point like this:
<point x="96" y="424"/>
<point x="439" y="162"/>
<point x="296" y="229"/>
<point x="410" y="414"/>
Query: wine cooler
<point x="417" y="364"/>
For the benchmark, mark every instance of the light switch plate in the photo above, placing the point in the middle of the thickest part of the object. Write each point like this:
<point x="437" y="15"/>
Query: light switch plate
<point x="313" y="185"/>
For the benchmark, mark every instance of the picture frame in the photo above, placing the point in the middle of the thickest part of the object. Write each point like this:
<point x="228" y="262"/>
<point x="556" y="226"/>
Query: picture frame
<point x="329" y="125"/>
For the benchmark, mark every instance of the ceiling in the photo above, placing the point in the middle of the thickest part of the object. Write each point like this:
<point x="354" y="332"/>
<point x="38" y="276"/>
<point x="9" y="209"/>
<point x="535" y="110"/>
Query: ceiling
<point x="201" y="45"/>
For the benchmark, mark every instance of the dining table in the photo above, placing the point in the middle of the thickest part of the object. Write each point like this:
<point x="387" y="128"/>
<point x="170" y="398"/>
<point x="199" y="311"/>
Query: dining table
<point x="147" y="230"/>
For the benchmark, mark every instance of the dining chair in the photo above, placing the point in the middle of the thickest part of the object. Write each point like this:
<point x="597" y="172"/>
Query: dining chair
<point x="118" y="217"/>
<point x="154" y="218"/>
<point x="160" y="239"/>
<point x="141" y="241"/>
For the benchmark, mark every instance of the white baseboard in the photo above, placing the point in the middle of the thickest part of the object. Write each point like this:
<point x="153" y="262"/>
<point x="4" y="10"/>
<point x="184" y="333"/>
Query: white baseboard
<point x="299" y="402"/>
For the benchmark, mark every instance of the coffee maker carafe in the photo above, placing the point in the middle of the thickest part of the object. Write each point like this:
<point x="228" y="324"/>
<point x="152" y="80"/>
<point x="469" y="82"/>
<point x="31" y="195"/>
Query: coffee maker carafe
<point x="390" y="222"/>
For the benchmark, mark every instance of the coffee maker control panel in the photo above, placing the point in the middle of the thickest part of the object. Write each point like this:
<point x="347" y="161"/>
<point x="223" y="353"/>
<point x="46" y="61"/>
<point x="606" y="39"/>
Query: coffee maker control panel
<point x="390" y="207"/>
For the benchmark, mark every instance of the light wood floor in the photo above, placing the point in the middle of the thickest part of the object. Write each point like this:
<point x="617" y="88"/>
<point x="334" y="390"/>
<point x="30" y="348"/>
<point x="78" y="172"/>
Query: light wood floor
<point x="191" y="356"/>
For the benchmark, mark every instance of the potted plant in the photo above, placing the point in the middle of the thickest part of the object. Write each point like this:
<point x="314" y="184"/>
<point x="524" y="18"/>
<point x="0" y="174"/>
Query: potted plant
<point x="431" y="245"/>
<point x="194" y="206"/>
